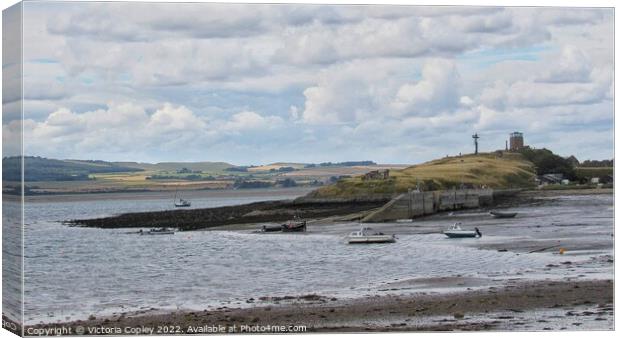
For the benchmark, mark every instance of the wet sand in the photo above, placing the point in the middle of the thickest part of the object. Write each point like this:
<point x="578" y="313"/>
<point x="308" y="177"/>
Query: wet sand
<point x="556" y="305"/>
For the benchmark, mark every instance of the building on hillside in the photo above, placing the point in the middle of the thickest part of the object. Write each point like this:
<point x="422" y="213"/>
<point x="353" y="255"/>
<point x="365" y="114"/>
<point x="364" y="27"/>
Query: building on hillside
<point x="516" y="141"/>
<point x="376" y="175"/>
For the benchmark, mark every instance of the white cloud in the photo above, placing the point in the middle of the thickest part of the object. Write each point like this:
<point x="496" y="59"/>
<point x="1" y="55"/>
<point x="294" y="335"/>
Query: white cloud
<point x="436" y="92"/>
<point x="573" y="66"/>
<point x="126" y="127"/>
<point x="564" y="78"/>
<point x="345" y="94"/>
<point x="174" y="119"/>
<point x="390" y="74"/>
<point x="249" y="120"/>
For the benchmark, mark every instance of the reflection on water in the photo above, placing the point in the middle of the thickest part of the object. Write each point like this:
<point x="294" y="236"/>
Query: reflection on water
<point x="74" y="272"/>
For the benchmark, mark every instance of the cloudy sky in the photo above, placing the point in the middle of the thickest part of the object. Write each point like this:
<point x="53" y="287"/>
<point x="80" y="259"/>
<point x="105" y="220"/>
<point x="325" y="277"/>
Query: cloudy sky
<point x="251" y="84"/>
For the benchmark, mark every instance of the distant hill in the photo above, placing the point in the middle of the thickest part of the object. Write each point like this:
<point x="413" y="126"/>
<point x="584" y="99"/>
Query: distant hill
<point x="299" y="166"/>
<point x="174" y="166"/>
<point x="45" y="169"/>
<point x="277" y="166"/>
<point x="510" y="170"/>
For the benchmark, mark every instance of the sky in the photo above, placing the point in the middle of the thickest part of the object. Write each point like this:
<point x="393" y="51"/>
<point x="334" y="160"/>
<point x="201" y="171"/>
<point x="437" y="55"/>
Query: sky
<point x="255" y="84"/>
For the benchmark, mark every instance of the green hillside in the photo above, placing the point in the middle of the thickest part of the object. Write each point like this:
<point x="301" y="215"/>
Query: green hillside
<point x="491" y="170"/>
<point x="45" y="169"/>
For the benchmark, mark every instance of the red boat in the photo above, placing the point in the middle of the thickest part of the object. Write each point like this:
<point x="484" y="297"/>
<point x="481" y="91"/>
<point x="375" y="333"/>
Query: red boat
<point x="295" y="225"/>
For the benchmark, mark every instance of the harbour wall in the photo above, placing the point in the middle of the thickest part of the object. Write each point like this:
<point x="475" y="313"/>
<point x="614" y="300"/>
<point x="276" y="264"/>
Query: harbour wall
<point x="419" y="203"/>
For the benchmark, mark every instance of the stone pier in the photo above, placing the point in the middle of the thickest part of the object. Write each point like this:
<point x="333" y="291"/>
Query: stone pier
<point x="419" y="203"/>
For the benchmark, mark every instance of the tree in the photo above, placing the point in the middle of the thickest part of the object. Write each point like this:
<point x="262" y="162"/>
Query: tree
<point x="547" y="162"/>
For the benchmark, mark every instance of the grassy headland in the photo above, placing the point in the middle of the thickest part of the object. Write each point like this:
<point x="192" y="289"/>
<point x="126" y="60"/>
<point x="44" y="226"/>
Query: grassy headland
<point x="510" y="170"/>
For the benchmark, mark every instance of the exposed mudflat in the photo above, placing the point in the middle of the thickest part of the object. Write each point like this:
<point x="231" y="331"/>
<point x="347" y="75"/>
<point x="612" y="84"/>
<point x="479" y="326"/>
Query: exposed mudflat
<point x="541" y="305"/>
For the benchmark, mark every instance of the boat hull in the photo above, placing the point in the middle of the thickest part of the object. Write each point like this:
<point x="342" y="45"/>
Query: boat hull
<point x="297" y="227"/>
<point x="460" y="234"/>
<point x="503" y="214"/>
<point x="371" y="240"/>
<point x="158" y="233"/>
<point x="271" y="228"/>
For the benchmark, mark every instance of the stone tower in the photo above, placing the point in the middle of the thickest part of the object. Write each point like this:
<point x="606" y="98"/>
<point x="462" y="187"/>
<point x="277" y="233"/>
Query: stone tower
<point x="516" y="141"/>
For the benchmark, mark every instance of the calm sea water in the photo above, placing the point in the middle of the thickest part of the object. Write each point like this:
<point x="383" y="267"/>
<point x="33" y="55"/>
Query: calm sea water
<point x="72" y="273"/>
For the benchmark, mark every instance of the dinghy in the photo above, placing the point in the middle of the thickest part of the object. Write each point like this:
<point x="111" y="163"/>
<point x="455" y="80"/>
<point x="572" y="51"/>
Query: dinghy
<point x="499" y="214"/>
<point x="455" y="231"/>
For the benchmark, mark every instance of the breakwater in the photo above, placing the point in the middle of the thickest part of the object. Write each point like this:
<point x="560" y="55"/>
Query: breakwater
<point x="258" y="212"/>
<point x="379" y="208"/>
<point x="419" y="203"/>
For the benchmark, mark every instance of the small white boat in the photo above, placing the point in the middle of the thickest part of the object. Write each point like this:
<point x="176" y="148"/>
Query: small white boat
<point x="367" y="236"/>
<point x="159" y="231"/>
<point x="455" y="231"/>
<point x="182" y="203"/>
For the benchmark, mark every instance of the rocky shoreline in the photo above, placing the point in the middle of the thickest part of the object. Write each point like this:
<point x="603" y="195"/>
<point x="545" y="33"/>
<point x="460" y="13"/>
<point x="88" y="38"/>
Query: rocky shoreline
<point x="258" y="212"/>
<point x="283" y="210"/>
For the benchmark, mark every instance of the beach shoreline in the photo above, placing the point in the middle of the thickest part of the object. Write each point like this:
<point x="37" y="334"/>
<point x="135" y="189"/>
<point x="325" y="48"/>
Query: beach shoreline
<point x="577" y="302"/>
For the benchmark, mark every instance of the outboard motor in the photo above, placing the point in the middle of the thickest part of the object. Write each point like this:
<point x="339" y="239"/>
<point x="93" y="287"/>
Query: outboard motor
<point x="478" y="232"/>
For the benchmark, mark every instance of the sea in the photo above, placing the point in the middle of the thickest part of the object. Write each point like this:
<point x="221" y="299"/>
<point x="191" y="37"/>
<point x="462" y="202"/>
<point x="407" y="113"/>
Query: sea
<point x="72" y="273"/>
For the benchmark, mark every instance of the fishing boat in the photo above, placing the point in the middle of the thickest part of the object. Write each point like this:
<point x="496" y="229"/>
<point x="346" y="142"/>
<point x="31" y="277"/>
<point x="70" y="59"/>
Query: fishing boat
<point x="455" y="231"/>
<point x="181" y="203"/>
<point x="157" y="231"/>
<point x="499" y="214"/>
<point x="368" y="236"/>
<point x="294" y="225"/>
<point x="271" y="228"/>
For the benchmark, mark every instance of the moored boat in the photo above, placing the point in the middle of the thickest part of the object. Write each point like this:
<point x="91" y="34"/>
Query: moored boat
<point x="455" y="231"/>
<point x="182" y="203"/>
<point x="157" y="231"/>
<point x="499" y="214"/>
<point x="368" y="236"/>
<point x="294" y="225"/>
